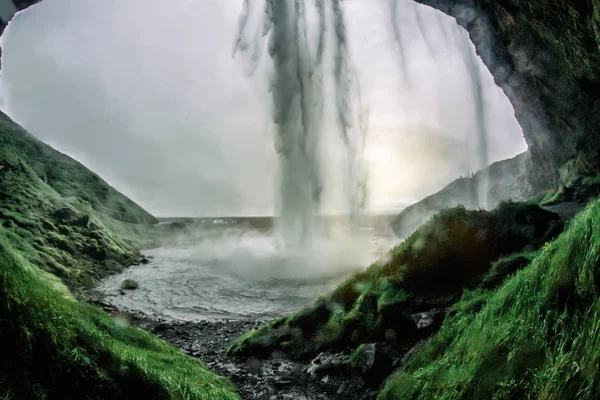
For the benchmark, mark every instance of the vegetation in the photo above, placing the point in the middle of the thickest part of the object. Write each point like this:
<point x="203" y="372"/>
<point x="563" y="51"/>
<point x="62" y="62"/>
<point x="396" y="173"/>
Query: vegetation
<point x="56" y="348"/>
<point x="63" y="218"/>
<point x="429" y="270"/>
<point x="578" y="189"/>
<point x="535" y="337"/>
<point x="61" y="224"/>
<point x="20" y="151"/>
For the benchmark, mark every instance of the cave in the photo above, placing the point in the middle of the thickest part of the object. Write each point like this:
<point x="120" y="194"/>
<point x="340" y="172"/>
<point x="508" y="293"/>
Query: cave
<point x="545" y="57"/>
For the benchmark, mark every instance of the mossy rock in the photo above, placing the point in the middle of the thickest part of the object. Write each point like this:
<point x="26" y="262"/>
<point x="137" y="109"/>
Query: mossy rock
<point x="531" y="337"/>
<point x="129" y="284"/>
<point x="430" y="270"/>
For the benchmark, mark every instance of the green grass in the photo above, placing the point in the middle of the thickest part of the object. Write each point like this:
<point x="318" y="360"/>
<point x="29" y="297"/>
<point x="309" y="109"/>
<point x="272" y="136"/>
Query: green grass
<point x="62" y="217"/>
<point x="577" y="184"/>
<point x="430" y="269"/>
<point x="537" y="336"/>
<point x="62" y="225"/>
<point x="56" y="348"/>
<point x="67" y="177"/>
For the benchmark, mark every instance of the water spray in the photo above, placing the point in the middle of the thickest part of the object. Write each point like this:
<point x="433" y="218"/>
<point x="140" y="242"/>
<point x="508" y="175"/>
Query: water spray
<point x="298" y="92"/>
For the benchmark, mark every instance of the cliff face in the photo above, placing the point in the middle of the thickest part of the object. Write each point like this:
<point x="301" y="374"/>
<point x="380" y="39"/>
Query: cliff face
<point x="505" y="180"/>
<point x="545" y="55"/>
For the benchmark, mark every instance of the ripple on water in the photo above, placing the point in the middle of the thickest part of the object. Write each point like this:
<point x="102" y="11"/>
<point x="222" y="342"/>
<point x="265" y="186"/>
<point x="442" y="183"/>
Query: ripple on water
<point x="235" y="277"/>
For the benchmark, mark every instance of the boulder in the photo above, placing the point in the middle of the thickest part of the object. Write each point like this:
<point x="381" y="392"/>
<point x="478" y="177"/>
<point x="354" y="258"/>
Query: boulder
<point x="129" y="284"/>
<point x="327" y="363"/>
<point x="372" y="362"/>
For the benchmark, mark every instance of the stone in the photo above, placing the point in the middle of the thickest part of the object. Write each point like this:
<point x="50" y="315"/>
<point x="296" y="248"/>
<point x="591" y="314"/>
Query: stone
<point x="428" y="322"/>
<point x="372" y="362"/>
<point x="328" y="364"/>
<point x="129" y="284"/>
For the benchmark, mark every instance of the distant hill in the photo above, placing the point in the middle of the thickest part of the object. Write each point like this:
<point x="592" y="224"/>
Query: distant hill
<point x="507" y="179"/>
<point x="61" y="224"/>
<point x="66" y="176"/>
<point x="61" y="216"/>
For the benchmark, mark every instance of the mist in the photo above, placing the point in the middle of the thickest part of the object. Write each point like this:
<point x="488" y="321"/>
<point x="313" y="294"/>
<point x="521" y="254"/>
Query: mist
<point x="148" y="95"/>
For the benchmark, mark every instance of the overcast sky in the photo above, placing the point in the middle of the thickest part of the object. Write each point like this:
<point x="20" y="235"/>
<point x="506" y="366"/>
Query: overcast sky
<point x="146" y="94"/>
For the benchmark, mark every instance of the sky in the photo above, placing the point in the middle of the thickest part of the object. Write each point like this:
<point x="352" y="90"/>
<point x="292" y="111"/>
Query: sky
<point x="147" y="94"/>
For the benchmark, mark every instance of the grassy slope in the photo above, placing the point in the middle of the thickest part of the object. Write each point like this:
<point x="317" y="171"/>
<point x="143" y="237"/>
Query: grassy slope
<point x="506" y="179"/>
<point x="535" y="337"/>
<point x="54" y="347"/>
<point x="65" y="176"/>
<point x="60" y="223"/>
<point x="63" y="217"/>
<point x="529" y="329"/>
<point x="453" y="251"/>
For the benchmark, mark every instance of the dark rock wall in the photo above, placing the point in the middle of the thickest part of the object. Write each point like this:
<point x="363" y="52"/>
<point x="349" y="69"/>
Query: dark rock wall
<point x="545" y="55"/>
<point x="19" y="5"/>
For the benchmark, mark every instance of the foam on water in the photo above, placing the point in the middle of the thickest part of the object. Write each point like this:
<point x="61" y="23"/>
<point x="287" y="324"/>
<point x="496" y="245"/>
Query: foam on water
<point x="240" y="275"/>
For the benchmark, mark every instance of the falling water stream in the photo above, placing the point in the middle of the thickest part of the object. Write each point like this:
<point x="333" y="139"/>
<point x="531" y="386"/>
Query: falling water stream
<point x="238" y="271"/>
<point x="299" y="79"/>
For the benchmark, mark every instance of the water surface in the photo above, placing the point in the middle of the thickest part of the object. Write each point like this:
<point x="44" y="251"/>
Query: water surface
<point x="239" y="273"/>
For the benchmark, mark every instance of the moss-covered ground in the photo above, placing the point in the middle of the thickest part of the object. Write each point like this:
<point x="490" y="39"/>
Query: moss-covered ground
<point x="536" y="336"/>
<point x="61" y="230"/>
<point x="454" y="251"/>
<point x="54" y="347"/>
<point x="523" y="318"/>
<point x="62" y="217"/>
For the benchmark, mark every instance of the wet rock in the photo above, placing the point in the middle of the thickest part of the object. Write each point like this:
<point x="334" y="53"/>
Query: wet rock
<point x="255" y="378"/>
<point x="129" y="284"/>
<point x="283" y="380"/>
<point x="144" y="260"/>
<point x="328" y="364"/>
<point x="372" y="362"/>
<point x="417" y="347"/>
<point x="428" y="322"/>
<point x="114" y="266"/>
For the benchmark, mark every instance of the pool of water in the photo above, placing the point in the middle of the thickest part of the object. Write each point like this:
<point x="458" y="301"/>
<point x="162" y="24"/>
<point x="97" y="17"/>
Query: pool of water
<point x="239" y="274"/>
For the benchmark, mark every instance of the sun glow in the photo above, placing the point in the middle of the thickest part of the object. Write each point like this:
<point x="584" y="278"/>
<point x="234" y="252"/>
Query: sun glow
<point x="402" y="162"/>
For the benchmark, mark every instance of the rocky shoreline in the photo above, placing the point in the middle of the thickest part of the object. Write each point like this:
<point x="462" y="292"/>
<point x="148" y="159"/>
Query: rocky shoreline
<point x="276" y="378"/>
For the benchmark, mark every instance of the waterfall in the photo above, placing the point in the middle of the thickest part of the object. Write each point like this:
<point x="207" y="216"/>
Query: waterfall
<point x="298" y="88"/>
<point x="480" y="188"/>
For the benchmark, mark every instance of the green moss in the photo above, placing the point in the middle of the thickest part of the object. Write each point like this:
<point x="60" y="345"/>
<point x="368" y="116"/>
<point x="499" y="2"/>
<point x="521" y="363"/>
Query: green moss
<point x="557" y="46"/>
<point x="535" y="337"/>
<point x="54" y="347"/>
<point x="430" y="269"/>
<point x="21" y="152"/>
<point x="50" y="223"/>
<point x="506" y="266"/>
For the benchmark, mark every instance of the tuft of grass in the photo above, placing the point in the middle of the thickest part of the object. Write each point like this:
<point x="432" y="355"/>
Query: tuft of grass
<point x="54" y="347"/>
<point x="536" y="336"/>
